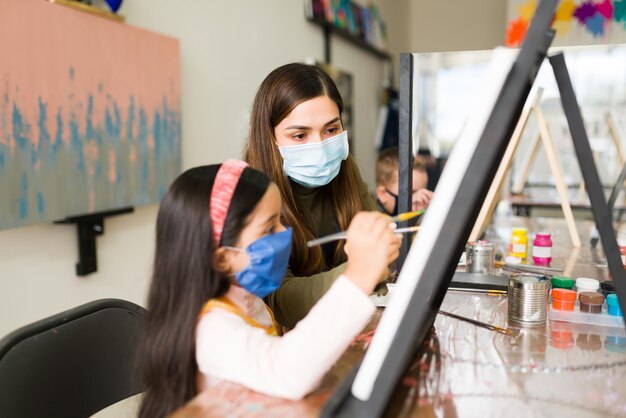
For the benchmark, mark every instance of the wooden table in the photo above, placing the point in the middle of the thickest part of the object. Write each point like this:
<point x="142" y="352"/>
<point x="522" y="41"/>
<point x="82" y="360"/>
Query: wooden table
<point x="560" y="369"/>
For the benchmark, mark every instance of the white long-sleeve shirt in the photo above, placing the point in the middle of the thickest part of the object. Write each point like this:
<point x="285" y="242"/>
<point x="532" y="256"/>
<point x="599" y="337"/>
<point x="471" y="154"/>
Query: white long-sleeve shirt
<point x="228" y="348"/>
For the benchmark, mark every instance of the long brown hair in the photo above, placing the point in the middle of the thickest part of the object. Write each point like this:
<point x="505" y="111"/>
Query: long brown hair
<point x="183" y="280"/>
<point x="281" y="91"/>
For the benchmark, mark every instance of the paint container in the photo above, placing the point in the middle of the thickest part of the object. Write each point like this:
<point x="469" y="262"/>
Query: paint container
<point x="585" y="284"/>
<point x="606" y="287"/>
<point x="480" y="257"/>
<point x="528" y="297"/>
<point x="542" y="249"/>
<point x="563" y="299"/>
<point x="562" y="282"/>
<point x="518" y="246"/>
<point x="591" y="302"/>
<point x="612" y="304"/>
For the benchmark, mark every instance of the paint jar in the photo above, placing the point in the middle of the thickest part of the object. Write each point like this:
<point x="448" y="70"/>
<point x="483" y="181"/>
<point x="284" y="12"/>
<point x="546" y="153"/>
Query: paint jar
<point x="563" y="299"/>
<point x="528" y="296"/>
<point x="480" y="257"/>
<point x="518" y="246"/>
<point x="606" y="287"/>
<point x="613" y="305"/>
<point x="562" y="282"/>
<point x="591" y="302"/>
<point x="542" y="248"/>
<point x="585" y="284"/>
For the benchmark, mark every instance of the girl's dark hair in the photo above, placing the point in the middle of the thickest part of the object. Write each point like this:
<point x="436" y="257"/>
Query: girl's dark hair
<point x="281" y="91"/>
<point x="183" y="280"/>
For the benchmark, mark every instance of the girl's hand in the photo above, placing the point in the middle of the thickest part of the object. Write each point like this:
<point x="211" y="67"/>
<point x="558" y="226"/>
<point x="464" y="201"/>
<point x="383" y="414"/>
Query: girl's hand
<point x="370" y="245"/>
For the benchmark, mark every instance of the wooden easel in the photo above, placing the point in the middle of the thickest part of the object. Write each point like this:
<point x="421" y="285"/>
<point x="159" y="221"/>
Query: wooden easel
<point x="486" y="212"/>
<point x="613" y="133"/>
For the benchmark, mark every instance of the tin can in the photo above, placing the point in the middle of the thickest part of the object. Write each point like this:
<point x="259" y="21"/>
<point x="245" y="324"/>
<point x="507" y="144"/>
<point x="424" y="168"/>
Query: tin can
<point x="480" y="257"/>
<point x="528" y="298"/>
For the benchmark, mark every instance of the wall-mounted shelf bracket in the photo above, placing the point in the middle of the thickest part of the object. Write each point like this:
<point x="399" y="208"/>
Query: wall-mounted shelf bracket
<point x="88" y="228"/>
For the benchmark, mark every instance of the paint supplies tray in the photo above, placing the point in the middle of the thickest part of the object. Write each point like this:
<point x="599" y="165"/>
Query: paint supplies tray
<point x="602" y="319"/>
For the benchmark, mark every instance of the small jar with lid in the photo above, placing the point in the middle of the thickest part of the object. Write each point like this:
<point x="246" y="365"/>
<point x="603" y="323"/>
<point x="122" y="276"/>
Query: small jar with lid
<point x="518" y="246"/>
<point x="563" y="299"/>
<point x="591" y="302"/>
<point x="612" y="304"/>
<point x="480" y="257"/>
<point x="607" y="287"/>
<point x="585" y="284"/>
<point x="562" y="282"/>
<point x="542" y="248"/>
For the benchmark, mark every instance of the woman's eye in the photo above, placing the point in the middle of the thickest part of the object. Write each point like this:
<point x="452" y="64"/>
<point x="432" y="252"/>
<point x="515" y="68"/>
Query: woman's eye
<point x="332" y="131"/>
<point x="299" y="137"/>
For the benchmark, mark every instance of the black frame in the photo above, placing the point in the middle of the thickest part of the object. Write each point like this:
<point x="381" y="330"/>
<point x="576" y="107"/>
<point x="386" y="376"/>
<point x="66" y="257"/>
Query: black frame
<point x="439" y="268"/>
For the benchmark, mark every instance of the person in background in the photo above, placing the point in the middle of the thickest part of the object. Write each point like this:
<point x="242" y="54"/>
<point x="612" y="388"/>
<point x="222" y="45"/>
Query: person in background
<point x="220" y="248"/>
<point x="296" y="137"/>
<point x="387" y="182"/>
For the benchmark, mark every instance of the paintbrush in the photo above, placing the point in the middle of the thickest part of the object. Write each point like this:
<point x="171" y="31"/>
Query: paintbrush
<point x="407" y="215"/>
<point x="344" y="234"/>
<point x="501" y="330"/>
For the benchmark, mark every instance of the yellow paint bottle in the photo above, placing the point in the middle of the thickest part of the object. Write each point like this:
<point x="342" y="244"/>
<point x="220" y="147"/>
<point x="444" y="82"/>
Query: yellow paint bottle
<point x="519" y="243"/>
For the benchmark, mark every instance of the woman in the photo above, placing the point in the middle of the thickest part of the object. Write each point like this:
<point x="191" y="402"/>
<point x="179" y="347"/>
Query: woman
<point x="297" y="138"/>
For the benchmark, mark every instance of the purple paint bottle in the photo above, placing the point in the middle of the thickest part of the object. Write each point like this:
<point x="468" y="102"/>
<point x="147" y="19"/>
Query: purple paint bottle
<point x="542" y="248"/>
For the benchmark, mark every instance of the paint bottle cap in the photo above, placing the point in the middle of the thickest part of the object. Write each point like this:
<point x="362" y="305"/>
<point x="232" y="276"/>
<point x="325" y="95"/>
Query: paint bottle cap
<point x="587" y="283"/>
<point x="607" y="286"/>
<point x="510" y="259"/>
<point x="591" y="298"/>
<point x="562" y="282"/>
<point x="611" y="300"/>
<point x="564" y="295"/>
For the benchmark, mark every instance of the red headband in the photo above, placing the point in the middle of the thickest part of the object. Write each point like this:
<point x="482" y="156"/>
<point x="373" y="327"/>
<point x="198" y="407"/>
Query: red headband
<point x="223" y="188"/>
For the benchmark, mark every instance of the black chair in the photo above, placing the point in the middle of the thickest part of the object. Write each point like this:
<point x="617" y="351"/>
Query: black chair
<point x="72" y="364"/>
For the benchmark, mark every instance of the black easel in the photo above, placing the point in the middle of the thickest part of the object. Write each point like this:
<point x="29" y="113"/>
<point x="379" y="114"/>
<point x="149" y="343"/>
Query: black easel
<point x="438" y="269"/>
<point x="601" y="211"/>
<point x="617" y="188"/>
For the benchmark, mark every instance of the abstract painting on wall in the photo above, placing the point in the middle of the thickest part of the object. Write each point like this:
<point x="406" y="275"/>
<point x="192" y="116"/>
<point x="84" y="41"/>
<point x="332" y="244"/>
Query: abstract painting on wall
<point x="89" y="113"/>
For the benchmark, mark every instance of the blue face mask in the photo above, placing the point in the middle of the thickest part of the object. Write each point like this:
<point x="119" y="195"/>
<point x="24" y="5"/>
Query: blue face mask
<point x="315" y="165"/>
<point x="269" y="257"/>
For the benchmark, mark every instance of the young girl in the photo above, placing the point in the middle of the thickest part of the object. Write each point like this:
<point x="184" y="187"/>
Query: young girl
<point x="220" y="248"/>
<point x="296" y="138"/>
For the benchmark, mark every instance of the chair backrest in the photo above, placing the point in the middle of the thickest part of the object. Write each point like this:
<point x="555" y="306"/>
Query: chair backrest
<point x="72" y="364"/>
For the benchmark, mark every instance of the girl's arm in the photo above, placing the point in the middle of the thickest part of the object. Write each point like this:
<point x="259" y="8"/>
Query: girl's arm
<point x="288" y="367"/>
<point x="298" y="294"/>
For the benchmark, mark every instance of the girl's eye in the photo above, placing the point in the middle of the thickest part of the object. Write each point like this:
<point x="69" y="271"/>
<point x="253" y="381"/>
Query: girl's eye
<point x="332" y="130"/>
<point x="271" y="229"/>
<point x="299" y="137"/>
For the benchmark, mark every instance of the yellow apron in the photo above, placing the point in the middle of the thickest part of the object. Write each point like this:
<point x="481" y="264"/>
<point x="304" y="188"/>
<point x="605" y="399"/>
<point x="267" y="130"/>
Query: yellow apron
<point x="226" y="304"/>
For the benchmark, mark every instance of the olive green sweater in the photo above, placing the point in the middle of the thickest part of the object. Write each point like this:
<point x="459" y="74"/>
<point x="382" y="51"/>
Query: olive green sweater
<point x="297" y="294"/>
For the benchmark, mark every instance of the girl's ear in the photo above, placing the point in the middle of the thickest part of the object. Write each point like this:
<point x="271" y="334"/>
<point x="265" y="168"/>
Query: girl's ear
<point x="221" y="260"/>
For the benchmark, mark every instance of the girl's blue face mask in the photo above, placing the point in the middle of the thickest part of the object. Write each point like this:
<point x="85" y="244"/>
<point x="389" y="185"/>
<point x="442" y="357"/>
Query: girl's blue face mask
<point x="269" y="256"/>
<point x="315" y="165"/>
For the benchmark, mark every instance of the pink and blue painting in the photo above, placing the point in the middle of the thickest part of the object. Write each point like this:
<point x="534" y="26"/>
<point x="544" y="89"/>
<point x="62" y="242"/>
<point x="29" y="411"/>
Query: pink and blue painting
<point x="89" y="113"/>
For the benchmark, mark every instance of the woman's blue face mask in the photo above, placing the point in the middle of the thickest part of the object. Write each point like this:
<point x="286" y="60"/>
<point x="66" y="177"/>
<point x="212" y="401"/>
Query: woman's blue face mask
<point x="315" y="165"/>
<point x="269" y="257"/>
